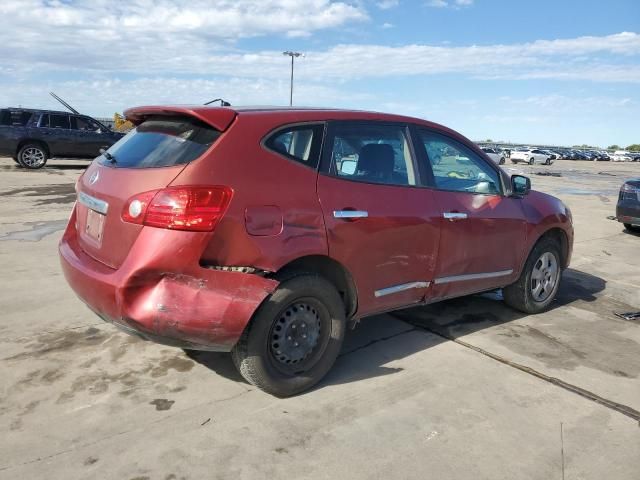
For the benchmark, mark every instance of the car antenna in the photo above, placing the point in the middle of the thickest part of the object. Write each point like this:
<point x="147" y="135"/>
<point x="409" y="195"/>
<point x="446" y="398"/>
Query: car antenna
<point x="73" y="110"/>
<point x="223" y="103"/>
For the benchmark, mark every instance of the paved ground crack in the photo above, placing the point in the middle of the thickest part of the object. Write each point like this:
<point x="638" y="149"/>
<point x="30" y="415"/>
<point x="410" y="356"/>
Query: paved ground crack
<point x="377" y="340"/>
<point x="618" y="407"/>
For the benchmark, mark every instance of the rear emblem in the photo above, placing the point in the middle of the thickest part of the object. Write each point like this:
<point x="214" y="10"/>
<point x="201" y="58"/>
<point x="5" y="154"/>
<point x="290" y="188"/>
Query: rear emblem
<point x="94" y="178"/>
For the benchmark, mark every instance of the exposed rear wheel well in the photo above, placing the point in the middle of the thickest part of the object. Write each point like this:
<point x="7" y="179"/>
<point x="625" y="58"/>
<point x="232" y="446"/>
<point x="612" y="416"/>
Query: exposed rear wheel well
<point x="558" y="236"/>
<point x="333" y="271"/>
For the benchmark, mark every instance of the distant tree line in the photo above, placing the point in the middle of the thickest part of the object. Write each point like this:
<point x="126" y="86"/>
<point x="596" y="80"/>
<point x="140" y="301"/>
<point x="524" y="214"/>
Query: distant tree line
<point x="632" y="148"/>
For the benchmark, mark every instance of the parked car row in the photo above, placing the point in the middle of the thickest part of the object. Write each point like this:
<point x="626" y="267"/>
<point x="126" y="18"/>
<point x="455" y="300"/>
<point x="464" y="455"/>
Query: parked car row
<point x="548" y="155"/>
<point x="625" y="156"/>
<point x="594" y="155"/>
<point x="33" y="136"/>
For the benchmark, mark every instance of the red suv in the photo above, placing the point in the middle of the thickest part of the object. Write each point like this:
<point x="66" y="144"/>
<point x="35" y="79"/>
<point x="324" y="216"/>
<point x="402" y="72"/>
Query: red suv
<point x="264" y="231"/>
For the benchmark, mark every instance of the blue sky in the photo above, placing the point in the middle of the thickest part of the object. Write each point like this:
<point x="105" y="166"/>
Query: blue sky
<point x="561" y="72"/>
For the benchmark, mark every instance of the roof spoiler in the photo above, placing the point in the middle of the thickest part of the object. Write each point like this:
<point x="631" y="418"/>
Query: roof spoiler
<point x="218" y="118"/>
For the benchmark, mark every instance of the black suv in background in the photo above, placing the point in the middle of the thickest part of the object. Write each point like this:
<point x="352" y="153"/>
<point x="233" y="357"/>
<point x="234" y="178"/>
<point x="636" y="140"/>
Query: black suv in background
<point x="32" y="136"/>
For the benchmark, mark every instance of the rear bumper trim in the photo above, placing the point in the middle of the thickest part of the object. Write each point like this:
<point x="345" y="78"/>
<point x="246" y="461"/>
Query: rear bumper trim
<point x="164" y="340"/>
<point x="628" y="219"/>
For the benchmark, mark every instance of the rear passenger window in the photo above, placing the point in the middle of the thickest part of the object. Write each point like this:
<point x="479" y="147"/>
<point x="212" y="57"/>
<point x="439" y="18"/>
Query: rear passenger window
<point x="372" y="153"/>
<point x="59" y="121"/>
<point x="300" y="143"/>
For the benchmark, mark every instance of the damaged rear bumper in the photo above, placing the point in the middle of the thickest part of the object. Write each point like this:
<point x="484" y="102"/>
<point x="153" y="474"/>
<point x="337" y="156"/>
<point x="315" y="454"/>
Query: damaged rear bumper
<point x="164" y="298"/>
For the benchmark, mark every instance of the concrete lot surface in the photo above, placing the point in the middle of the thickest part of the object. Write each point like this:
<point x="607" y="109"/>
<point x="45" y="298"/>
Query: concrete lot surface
<point x="466" y="389"/>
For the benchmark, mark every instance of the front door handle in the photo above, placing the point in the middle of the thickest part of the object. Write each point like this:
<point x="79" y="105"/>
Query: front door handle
<point x="350" y="214"/>
<point x="453" y="216"/>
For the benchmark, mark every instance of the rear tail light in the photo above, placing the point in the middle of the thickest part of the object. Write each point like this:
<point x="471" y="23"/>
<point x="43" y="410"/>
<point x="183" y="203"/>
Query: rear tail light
<point x="192" y="208"/>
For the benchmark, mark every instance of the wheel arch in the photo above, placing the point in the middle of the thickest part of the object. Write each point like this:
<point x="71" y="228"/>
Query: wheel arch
<point x="330" y="269"/>
<point x="559" y="236"/>
<point x="28" y="141"/>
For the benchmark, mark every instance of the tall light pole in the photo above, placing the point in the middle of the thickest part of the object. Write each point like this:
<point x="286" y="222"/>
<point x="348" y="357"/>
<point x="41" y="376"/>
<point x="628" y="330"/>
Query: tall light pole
<point x="292" y="55"/>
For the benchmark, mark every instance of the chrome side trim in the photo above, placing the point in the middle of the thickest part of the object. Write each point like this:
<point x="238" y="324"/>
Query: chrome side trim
<point x="93" y="203"/>
<point x="400" y="288"/>
<point x="472" y="276"/>
<point x="454" y="216"/>
<point x="350" y="214"/>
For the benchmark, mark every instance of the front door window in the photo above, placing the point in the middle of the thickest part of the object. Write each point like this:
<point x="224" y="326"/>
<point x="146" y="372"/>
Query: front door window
<point x="457" y="168"/>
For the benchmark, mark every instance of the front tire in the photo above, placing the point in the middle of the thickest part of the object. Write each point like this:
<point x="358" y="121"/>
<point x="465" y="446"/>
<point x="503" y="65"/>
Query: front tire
<point x="538" y="284"/>
<point x="32" y="156"/>
<point x="531" y="161"/>
<point x="294" y="337"/>
<point x="501" y="162"/>
<point x="631" y="228"/>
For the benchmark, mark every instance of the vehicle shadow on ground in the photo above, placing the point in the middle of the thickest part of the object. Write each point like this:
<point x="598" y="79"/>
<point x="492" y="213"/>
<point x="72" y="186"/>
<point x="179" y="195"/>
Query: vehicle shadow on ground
<point x="379" y="340"/>
<point x="633" y="233"/>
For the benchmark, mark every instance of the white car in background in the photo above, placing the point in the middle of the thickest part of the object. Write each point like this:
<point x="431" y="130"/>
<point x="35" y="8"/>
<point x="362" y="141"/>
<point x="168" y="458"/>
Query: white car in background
<point x="494" y="154"/>
<point x="532" y="156"/>
<point x="621" y="156"/>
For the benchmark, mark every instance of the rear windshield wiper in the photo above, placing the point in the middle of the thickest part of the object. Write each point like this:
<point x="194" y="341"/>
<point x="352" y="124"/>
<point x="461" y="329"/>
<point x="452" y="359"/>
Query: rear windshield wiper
<point x="108" y="156"/>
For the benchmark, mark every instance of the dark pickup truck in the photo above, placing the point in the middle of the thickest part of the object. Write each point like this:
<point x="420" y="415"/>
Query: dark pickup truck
<point x="32" y="136"/>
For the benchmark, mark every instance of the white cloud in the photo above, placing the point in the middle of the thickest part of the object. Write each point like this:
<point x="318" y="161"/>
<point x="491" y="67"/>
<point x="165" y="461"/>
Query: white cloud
<point x="457" y="4"/>
<point x="576" y="58"/>
<point x="105" y="23"/>
<point x="101" y="97"/>
<point x="566" y="104"/>
<point x="188" y="51"/>
<point x="387" y="4"/>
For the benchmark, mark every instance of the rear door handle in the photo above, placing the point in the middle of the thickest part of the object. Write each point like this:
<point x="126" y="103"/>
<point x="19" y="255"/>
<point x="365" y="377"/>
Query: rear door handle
<point x="453" y="216"/>
<point x="350" y="214"/>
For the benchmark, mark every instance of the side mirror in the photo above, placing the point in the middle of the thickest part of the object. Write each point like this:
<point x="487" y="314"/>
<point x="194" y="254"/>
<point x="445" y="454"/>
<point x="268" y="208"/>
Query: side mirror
<point x="520" y="185"/>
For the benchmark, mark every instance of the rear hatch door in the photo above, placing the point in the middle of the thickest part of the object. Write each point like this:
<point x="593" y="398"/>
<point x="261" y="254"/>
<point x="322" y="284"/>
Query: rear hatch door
<point x="148" y="158"/>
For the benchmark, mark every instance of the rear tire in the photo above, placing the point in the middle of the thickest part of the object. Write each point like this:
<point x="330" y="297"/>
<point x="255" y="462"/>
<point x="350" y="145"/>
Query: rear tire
<point x="294" y="337"/>
<point x="538" y="284"/>
<point x="32" y="156"/>
<point x="631" y="228"/>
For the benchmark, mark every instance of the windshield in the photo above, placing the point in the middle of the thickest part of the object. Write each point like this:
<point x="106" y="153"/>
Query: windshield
<point x="161" y="142"/>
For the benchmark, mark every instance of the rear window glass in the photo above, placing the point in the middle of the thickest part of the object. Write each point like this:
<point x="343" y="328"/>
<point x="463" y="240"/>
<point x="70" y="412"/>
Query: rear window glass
<point x="14" y="117"/>
<point x="161" y="142"/>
